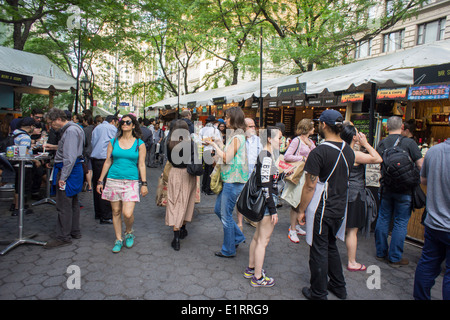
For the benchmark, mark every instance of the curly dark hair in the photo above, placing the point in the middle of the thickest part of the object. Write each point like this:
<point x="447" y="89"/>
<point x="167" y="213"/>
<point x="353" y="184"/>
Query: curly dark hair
<point x="137" y="133"/>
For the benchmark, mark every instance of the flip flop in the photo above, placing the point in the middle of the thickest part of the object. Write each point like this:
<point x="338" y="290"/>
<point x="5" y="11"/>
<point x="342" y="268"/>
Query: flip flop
<point x="362" y="268"/>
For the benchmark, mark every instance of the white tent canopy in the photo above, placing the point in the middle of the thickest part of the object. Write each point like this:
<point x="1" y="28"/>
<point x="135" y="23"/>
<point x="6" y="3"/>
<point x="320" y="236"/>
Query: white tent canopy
<point x="391" y="69"/>
<point x="46" y="75"/>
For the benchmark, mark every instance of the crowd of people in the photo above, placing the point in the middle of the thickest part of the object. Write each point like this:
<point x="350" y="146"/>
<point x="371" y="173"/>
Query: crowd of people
<point x="109" y="157"/>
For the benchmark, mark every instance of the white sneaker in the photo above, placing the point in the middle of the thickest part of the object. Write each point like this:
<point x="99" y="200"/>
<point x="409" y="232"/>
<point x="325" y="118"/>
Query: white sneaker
<point x="292" y="235"/>
<point x="299" y="230"/>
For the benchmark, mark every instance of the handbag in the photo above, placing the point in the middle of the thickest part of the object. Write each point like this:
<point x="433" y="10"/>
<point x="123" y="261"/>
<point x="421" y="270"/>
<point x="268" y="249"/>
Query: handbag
<point x="216" y="181"/>
<point x="419" y="199"/>
<point x="195" y="168"/>
<point x="251" y="202"/>
<point x="161" y="190"/>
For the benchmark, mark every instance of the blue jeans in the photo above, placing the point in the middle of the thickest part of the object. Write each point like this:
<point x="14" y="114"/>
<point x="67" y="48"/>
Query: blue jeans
<point x="399" y="207"/>
<point x="435" y="250"/>
<point x="225" y="203"/>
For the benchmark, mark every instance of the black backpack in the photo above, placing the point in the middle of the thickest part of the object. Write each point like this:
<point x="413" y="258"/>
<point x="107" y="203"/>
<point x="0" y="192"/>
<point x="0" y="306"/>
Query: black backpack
<point x="398" y="171"/>
<point x="9" y="141"/>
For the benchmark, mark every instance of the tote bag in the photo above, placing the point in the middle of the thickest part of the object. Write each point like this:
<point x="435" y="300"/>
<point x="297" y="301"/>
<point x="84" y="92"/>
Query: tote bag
<point x="251" y="202"/>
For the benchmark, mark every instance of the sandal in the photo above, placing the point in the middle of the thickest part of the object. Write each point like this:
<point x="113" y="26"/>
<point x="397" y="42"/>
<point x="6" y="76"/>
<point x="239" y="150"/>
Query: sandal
<point x="362" y="268"/>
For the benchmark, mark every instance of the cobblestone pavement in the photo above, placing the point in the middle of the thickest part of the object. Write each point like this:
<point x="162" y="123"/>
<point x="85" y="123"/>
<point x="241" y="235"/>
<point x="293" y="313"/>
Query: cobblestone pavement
<point x="153" y="270"/>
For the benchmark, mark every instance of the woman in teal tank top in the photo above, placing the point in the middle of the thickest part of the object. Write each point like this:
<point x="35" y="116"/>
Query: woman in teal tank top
<point x="124" y="164"/>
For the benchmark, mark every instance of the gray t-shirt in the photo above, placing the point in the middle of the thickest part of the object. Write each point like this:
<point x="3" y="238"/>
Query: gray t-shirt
<point x="436" y="168"/>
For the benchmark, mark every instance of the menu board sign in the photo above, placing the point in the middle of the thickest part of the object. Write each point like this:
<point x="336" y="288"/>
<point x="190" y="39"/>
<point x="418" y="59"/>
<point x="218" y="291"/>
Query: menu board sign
<point x="273" y="115"/>
<point x="289" y="120"/>
<point x="361" y="122"/>
<point x="285" y="102"/>
<point x="429" y="92"/>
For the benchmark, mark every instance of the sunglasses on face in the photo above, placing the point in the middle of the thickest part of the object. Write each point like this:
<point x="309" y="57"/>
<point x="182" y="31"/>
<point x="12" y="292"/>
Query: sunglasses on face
<point x="127" y="122"/>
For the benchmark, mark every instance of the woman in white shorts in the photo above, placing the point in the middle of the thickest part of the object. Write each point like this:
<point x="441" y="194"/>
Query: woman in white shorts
<point x="125" y="163"/>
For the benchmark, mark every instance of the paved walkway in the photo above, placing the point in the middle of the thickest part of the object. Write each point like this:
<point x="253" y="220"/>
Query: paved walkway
<point x="153" y="270"/>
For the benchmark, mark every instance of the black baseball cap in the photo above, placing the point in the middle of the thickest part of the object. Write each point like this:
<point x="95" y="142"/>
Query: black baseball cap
<point x="27" y="122"/>
<point x="331" y="117"/>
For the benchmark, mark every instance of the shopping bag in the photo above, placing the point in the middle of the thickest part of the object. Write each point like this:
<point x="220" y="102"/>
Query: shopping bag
<point x="161" y="193"/>
<point x="295" y="169"/>
<point x="292" y="192"/>
<point x="216" y="181"/>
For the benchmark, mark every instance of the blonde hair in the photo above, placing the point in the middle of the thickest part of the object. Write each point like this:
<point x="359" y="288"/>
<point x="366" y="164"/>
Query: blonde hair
<point x="304" y="126"/>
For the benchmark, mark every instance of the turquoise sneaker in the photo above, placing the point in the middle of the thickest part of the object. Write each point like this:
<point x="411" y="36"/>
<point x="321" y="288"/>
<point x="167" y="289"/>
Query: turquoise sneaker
<point x="129" y="240"/>
<point x="117" y="246"/>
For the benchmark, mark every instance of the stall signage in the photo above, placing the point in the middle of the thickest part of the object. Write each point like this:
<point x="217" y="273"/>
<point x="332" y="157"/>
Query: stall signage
<point x="124" y="104"/>
<point x="391" y="93"/>
<point x="285" y="102"/>
<point x="290" y="90"/>
<point x="331" y="101"/>
<point x="315" y="102"/>
<point x="192" y="104"/>
<point x="429" y="92"/>
<point x="219" y="101"/>
<point x="299" y="102"/>
<point x="433" y="74"/>
<point x="15" y="78"/>
<point x="273" y="103"/>
<point x="255" y="105"/>
<point x="353" y="97"/>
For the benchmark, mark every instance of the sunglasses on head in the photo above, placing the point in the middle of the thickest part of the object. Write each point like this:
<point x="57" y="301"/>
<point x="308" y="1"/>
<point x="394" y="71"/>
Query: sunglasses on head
<point x="127" y="122"/>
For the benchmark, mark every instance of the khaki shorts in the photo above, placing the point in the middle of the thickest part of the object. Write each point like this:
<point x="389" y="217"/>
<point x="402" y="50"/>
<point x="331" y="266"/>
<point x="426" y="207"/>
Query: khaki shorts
<point x="121" y="190"/>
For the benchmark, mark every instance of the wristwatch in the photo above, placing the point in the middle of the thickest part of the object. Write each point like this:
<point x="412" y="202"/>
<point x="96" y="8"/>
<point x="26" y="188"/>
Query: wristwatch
<point x="144" y="183"/>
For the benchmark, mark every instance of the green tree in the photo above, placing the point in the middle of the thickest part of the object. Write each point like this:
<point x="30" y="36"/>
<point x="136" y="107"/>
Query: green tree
<point x="321" y="33"/>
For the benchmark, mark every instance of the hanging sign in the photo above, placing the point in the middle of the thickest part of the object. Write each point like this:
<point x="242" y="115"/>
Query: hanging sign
<point x="192" y="104"/>
<point x="433" y="74"/>
<point x="330" y="101"/>
<point x="219" y="101"/>
<point x="315" y="102"/>
<point x="353" y="97"/>
<point x="290" y="90"/>
<point x="15" y="78"/>
<point x="429" y="92"/>
<point x="391" y="93"/>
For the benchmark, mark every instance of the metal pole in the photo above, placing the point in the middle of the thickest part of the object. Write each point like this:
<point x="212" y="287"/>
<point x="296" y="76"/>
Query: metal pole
<point x="178" y="108"/>
<point x="261" y="122"/>
<point x="373" y="98"/>
<point x="78" y="71"/>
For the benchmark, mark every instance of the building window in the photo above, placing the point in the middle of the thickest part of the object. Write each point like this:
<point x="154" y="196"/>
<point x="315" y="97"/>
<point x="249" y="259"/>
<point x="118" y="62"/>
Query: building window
<point x="431" y="31"/>
<point x="393" y="41"/>
<point x="363" y="49"/>
<point x="389" y="8"/>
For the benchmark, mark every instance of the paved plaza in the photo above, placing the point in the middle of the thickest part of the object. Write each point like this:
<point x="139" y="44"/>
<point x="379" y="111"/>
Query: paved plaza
<point x="152" y="270"/>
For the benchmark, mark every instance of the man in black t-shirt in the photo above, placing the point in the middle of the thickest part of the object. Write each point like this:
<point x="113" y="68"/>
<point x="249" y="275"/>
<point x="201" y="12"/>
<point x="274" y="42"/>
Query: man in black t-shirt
<point x="332" y="160"/>
<point x="394" y="203"/>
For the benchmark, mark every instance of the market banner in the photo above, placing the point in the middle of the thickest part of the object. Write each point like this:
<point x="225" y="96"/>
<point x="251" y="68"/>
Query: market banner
<point x="429" y="92"/>
<point x="353" y="97"/>
<point x="391" y="93"/>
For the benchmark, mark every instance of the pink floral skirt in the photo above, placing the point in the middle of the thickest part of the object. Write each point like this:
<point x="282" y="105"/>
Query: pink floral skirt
<point x="121" y="190"/>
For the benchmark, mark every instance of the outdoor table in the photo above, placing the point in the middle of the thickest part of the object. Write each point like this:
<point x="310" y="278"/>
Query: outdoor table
<point x="47" y="198"/>
<point x="22" y="239"/>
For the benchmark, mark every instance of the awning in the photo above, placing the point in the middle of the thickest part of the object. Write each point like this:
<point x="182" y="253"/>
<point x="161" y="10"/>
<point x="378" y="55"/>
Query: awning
<point x="45" y="74"/>
<point x="395" y="69"/>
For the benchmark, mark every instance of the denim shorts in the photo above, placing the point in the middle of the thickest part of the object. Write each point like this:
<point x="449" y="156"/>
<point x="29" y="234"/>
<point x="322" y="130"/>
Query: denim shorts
<point x="275" y="199"/>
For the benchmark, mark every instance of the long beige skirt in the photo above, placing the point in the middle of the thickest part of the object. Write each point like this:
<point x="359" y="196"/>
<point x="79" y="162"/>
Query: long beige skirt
<point x="180" y="197"/>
